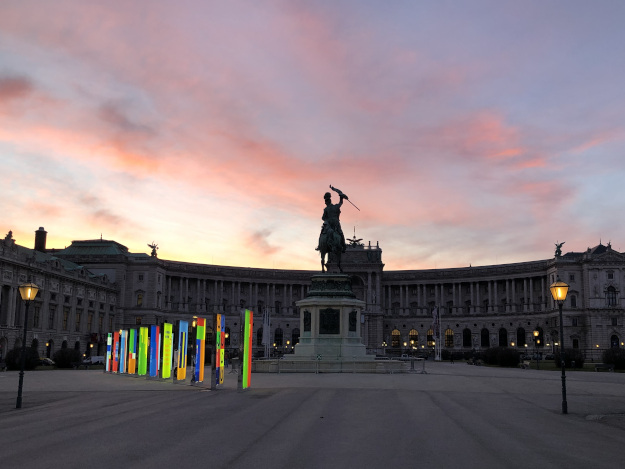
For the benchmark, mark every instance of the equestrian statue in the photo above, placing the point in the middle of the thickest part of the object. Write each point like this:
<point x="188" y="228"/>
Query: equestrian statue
<point x="331" y="238"/>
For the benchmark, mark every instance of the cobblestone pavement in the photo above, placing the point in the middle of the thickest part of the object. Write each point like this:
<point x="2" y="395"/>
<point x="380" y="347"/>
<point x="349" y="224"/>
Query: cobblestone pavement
<point x="455" y="415"/>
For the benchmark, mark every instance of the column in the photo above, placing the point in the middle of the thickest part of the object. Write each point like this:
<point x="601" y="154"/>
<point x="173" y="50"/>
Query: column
<point x="169" y="300"/>
<point x="186" y="294"/>
<point x="495" y="296"/>
<point x="525" y="296"/>
<point x="180" y="292"/>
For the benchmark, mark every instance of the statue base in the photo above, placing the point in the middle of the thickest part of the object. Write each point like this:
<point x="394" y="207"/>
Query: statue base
<point x="330" y="322"/>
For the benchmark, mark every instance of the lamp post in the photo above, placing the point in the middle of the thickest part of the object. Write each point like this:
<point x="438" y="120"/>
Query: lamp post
<point x="536" y="343"/>
<point x="28" y="292"/>
<point x="559" y="289"/>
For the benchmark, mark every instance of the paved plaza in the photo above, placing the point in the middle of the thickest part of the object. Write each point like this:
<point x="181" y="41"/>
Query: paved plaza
<point x="454" y="416"/>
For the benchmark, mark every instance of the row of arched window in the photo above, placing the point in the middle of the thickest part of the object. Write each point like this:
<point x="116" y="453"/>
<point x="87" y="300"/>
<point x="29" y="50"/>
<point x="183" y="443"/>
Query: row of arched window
<point x="503" y="338"/>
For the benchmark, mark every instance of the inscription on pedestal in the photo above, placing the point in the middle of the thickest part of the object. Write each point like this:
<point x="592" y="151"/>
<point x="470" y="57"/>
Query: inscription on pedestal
<point x="329" y="321"/>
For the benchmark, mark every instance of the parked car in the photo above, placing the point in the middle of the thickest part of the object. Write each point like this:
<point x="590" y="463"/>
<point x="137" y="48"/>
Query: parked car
<point x="46" y="362"/>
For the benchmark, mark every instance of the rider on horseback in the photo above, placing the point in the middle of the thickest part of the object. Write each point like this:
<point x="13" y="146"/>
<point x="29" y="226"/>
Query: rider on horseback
<point x="331" y="215"/>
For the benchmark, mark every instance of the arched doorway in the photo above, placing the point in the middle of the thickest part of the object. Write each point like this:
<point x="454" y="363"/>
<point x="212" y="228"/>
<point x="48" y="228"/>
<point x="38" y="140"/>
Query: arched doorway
<point x="503" y="337"/>
<point x="466" y="337"/>
<point x="485" y="338"/>
<point x="614" y="341"/>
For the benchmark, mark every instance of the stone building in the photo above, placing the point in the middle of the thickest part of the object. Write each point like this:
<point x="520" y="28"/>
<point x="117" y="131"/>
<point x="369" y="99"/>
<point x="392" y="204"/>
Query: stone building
<point x="72" y="309"/>
<point x="104" y="287"/>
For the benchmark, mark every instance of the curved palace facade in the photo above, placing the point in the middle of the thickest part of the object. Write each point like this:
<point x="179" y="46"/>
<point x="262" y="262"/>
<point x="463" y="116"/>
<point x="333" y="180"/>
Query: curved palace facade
<point x="93" y="287"/>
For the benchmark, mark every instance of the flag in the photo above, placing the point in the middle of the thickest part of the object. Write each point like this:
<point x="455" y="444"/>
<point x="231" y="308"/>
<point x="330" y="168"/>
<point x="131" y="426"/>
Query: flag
<point x="266" y="327"/>
<point x="435" y="321"/>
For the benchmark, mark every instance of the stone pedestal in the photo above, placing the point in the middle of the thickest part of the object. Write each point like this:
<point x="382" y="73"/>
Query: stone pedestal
<point x="330" y="322"/>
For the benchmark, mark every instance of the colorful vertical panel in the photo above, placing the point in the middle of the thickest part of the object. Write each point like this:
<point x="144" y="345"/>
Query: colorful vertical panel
<point x="143" y="351"/>
<point x="109" y="352"/>
<point x="123" y="351"/>
<point x="115" y="356"/>
<point x="132" y="351"/>
<point x="154" y="350"/>
<point x="200" y="345"/>
<point x="246" y="364"/>
<point x="183" y="343"/>
<point x="220" y="340"/>
<point x="168" y="339"/>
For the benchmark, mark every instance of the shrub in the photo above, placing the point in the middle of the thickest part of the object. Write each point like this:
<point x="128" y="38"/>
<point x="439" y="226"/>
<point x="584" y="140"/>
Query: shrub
<point x="490" y="356"/>
<point x="14" y="356"/>
<point x="616" y="357"/>
<point x="570" y="355"/>
<point x="66" y="358"/>
<point x="501" y="356"/>
<point x="508" y="357"/>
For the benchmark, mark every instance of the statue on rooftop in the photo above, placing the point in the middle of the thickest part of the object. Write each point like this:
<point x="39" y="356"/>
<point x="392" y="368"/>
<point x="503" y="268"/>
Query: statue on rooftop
<point x="559" y="248"/>
<point x="154" y="247"/>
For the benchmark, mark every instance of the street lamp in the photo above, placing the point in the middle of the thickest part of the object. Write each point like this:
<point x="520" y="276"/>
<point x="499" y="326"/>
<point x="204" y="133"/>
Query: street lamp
<point x="28" y="292"/>
<point x="559" y="289"/>
<point x="536" y="343"/>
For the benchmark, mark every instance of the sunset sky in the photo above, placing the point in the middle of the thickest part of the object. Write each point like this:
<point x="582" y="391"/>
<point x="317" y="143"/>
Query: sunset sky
<point x="476" y="132"/>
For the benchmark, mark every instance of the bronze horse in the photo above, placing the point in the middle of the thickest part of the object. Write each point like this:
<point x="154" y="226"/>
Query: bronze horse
<point x="330" y="244"/>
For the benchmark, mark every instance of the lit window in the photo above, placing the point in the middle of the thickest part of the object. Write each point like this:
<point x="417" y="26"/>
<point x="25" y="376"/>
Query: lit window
<point x="449" y="338"/>
<point x="395" y="338"/>
<point x="430" y="337"/>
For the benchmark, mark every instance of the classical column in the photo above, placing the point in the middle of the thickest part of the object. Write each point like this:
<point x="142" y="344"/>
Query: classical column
<point x="495" y="296"/>
<point x="169" y="300"/>
<point x="525" y="296"/>
<point x="507" y="295"/>
<point x="180" y="293"/>
<point x="12" y="303"/>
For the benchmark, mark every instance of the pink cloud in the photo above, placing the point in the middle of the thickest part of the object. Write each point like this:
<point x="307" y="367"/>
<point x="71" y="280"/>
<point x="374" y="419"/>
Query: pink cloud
<point x="13" y="88"/>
